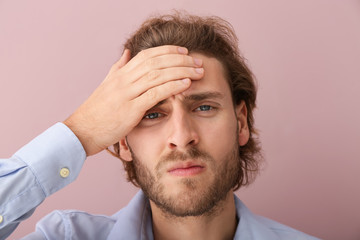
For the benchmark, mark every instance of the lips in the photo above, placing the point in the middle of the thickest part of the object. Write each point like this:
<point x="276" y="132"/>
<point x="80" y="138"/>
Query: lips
<point x="186" y="169"/>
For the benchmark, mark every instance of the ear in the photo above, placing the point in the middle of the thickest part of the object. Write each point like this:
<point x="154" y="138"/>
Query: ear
<point x="125" y="152"/>
<point x="243" y="128"/>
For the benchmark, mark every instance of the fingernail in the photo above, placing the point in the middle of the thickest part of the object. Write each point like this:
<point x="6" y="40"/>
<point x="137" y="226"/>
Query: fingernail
<point x="186" y="81"/>
<point x="182" y="50"/>
<point x="199" y="70"/>
<point x="198" y="61"/>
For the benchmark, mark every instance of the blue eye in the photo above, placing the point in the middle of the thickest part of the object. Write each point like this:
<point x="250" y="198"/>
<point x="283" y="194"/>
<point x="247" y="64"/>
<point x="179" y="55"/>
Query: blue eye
<point x="152" y="115"/>
<point x="205" y="108"/>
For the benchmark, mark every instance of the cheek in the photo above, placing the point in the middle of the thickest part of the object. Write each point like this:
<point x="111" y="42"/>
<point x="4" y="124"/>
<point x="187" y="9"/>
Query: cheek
<point x="146" y="145"/>
<point x="219" y="137"/>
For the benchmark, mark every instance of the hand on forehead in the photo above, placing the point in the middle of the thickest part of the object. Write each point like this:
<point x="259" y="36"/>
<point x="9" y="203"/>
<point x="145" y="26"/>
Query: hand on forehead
<point x="213" y="79"/>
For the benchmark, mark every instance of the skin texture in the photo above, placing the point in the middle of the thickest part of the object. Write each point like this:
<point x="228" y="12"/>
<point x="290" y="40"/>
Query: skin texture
<point x="185" y="152"/>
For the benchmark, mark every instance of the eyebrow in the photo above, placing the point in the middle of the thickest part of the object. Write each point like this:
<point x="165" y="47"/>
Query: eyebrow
<point x="197" y="97"/>
<point x="204" y="95"/>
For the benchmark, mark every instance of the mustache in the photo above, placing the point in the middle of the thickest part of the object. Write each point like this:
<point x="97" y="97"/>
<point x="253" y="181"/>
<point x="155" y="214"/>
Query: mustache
<point x="174" y="156"/>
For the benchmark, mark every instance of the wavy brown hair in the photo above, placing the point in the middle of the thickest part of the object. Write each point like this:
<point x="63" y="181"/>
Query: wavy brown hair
<point x="214" y="37"/>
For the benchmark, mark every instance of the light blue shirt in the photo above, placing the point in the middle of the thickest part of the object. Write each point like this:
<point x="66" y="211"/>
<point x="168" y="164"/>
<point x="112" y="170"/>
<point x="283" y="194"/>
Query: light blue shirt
<point x="53" y="160"/>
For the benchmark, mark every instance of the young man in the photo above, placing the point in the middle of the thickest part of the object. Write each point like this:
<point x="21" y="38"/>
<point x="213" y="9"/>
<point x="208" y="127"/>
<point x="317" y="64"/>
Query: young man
<point x="178" y="109"/>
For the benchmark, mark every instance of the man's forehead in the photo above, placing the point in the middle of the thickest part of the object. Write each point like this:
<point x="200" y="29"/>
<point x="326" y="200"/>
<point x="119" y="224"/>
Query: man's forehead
<point x="213" y="85"/>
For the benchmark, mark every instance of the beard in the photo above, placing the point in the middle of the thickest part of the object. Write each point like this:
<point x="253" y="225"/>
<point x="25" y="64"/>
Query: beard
<point x="198" y="196"/>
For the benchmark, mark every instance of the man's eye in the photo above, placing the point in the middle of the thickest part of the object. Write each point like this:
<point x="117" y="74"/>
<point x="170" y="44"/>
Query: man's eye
<point x="204" y="108"/>
<point x="153" y="115"/>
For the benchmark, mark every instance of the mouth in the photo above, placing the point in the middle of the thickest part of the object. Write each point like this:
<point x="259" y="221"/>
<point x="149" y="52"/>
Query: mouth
<point x="186" y="169"/>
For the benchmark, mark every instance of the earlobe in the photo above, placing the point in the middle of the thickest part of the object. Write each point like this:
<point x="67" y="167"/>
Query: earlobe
<point x="125" y="153"/>
<point x="243" y="128"/>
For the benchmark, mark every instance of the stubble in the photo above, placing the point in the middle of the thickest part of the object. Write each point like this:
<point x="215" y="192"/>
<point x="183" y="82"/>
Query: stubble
<point x="198" y="197"/>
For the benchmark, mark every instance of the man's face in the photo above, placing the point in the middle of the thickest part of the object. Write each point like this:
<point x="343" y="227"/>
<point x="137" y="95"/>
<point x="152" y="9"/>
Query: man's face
<point x="185" y="149"/>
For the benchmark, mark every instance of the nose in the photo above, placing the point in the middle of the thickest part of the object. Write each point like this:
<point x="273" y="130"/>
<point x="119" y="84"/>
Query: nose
<point x="182" y="133"/>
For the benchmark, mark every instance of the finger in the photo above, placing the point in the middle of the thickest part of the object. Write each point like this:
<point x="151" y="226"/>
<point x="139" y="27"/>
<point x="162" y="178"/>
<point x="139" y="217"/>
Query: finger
<point x="125" y="58"/>
<point x="154" y="95"/>
<point x="171" y="60"/>
<point x="159" y="77"/>
<point x="153" y="52"/>
<point x="165" y="61"/>
<point x="161" y="50"/>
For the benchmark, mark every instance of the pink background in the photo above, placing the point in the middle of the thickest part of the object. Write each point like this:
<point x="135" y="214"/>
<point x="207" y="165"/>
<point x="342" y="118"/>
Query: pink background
<point x="305" y="54"/>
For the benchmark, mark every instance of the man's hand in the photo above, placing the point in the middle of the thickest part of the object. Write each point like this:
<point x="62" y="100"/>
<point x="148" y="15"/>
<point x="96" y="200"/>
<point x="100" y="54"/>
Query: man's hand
<point x="128" y="91"/>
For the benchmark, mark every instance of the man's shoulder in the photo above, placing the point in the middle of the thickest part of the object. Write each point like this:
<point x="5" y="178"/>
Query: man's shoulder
<point x="74" y="224"/>
<point x="131" y="222"/>
<point x="77" y="215"/>
<point x="283" y="231"/>
<point x="257" y="227"/>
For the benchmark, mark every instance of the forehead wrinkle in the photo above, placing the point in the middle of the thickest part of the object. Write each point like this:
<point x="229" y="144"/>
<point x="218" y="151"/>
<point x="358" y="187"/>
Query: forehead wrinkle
<point x="195" y="97"/>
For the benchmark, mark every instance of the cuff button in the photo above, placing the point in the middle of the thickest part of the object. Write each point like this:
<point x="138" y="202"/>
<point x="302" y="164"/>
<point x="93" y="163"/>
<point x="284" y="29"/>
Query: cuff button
<point x="64" y="172"/>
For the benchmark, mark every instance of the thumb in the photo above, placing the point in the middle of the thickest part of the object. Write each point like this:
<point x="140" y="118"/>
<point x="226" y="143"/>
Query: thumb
<point x="125" y="58"/>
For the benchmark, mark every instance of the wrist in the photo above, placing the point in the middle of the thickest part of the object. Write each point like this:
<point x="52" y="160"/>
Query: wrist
<point x="82" y="134"/>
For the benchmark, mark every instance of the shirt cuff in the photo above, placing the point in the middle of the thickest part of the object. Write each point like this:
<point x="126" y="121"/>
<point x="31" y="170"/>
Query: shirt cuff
<point x="55" y="157"/>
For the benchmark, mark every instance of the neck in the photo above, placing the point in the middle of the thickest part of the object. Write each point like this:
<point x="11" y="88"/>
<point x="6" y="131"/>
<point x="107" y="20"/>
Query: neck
<point x="219" y="224"/>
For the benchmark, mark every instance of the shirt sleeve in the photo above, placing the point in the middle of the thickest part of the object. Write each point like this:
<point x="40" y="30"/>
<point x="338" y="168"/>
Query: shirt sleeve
<point x="45" y="165"/>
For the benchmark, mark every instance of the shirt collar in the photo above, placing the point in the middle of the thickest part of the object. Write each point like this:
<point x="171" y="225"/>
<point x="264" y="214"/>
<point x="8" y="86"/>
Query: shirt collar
<point x="135" y="222"/>
<point x="249" y="226"/>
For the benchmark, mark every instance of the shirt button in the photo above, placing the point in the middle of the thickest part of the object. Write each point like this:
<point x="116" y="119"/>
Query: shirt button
<point x="64" y="172"/>
<point x="1" y="219"/>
